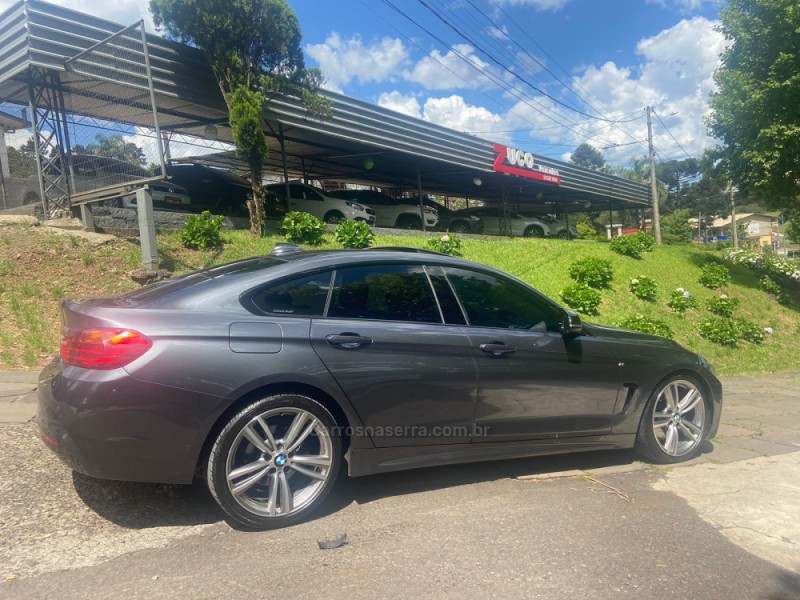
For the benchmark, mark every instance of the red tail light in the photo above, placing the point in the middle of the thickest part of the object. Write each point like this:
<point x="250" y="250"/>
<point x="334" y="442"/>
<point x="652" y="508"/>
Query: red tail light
<point x="104" y="348"/>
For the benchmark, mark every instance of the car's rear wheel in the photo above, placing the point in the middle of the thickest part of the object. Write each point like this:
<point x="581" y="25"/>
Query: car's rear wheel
<point x="275" y="461"/>
<point x="564" y="235"/>
<point x="334" y="217"/>
<point x="674" y="423"/>
<point x="459" y="227"/>
<point x="534" y="231"/>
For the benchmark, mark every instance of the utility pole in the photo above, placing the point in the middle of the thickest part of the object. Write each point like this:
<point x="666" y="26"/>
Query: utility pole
<point x="734" y="228"/>
<point x="653" y="187"/>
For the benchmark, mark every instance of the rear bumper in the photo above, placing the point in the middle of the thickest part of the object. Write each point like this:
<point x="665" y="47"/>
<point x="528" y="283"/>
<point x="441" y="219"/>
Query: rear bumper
<point x="108" y="425"/>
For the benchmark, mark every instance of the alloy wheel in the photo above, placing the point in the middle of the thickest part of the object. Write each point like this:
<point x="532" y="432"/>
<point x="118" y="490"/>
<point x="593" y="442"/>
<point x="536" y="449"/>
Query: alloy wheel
<point x="679" y="415"/>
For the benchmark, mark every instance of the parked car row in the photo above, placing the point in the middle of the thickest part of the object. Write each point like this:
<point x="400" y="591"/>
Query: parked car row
<point x="192" y="187"/>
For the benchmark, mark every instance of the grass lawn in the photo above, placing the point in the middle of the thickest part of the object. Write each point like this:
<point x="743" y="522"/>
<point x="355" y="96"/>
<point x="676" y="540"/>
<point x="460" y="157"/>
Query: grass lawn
<point x="543" y="264"/>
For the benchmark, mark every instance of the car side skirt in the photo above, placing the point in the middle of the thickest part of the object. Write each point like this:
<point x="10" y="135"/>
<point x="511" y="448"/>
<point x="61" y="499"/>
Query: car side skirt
<point x="383" y="460"/>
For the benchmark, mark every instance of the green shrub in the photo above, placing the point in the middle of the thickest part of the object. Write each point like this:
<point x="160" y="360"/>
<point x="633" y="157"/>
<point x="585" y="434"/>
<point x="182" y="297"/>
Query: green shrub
<point x="647" y="325"/>
<point x="585" y="231"/>
<point x="302" y="228"/>
<point x="766" y="284"/>
<point x="644" y="288"/>
<point x="714" y="275"/>
<point x="633" y="245"/>
<point x="749" y="331"/>
<point x="594" y="272"/>
<point x="675" y="227"/>
<point x="681" y="300"/>
<point x="722" y="306"/>
<point x="766" y="261"/>
<point x="720" y="331"/>
<point x="202" y="231"/>
<point x="447" y="244"/>
<point x="582" y="298"/>
<point x="354" y="234"/>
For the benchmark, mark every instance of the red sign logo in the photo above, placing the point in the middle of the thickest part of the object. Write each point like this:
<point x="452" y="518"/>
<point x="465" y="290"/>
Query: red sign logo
<point x="522" y="164"/>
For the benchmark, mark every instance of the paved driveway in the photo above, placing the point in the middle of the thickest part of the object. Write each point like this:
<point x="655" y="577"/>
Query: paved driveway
<point x="599" y="525"/>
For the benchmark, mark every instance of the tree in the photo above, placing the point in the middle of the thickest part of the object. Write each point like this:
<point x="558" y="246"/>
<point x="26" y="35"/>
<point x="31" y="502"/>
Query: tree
<point x="756" y="112"/>
<point x="22" y="160"/>
<point x="676" y="175"/>
<point x="675" y="227"/>
<point x="113" y="146"/>
<point x="587" y="156"/>
<point x="253" y="47"/>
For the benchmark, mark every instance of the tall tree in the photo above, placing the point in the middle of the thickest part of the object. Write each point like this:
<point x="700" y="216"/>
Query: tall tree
<point x="254" y="49"/>
<point x="588" y="156"/>
<point x="756" y="112"/>
<point x="113" y="146"/>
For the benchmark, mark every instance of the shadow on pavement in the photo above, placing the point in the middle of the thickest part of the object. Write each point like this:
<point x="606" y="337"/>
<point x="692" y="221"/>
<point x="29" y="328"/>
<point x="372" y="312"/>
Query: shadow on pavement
<point x="142" y="505"/>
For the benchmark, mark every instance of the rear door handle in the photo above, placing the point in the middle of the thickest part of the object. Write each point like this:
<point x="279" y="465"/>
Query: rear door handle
<point x="497" y="349"/>
<point x="348" y="341"/>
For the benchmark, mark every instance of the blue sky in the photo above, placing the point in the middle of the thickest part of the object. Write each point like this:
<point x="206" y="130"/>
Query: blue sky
<point x="541" y="75"/>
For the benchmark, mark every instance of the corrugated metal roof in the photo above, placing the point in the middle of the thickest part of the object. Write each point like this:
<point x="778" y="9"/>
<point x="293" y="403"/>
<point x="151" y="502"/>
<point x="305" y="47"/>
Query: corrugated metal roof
<point x="39" y="34"/>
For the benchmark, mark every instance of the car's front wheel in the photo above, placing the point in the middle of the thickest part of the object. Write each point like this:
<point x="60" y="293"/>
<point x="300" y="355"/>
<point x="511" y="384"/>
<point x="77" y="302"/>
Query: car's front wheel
<point x="275" y="461"/>
<point x="674" y="423"/>
<point x="534" y="231"/>
<point x="459" y="227"/>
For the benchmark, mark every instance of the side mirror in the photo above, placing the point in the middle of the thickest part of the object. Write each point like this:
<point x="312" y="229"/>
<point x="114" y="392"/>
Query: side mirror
<point x="571" y="323"/>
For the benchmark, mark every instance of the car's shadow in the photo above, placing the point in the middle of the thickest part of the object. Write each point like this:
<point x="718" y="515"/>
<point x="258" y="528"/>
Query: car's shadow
<point x="142" y="505"/>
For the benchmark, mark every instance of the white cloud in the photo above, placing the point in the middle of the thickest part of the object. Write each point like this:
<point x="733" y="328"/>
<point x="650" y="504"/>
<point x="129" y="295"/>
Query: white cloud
<point x="682" y="6"/>
<point x="124" y="12"/>
<point x="452" y="112"/>
<point x="531" y="64"/>
<point x="674" y="76"/>
<point x="406" y="104"/>
<point x="554" y="5"/>
<point x="449" y="71"/>
<point x="499" y="33"/>
<point x="343" y="60"/>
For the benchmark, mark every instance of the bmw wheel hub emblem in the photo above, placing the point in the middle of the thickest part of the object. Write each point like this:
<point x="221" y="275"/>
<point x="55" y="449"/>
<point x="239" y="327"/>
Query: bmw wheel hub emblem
<point x="280" y="460"/>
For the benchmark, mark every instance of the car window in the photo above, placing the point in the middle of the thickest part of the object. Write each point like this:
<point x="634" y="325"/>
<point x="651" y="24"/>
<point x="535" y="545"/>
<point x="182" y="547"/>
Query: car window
<point x="451" y="311"/>
<point x="384" y="292"/>
<point x="303" y="296"/>
<point x="493" y="301"/>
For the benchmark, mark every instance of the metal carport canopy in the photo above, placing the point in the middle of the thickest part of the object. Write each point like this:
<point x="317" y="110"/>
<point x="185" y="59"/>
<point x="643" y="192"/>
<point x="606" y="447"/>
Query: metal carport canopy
<point x="36" y="35"/>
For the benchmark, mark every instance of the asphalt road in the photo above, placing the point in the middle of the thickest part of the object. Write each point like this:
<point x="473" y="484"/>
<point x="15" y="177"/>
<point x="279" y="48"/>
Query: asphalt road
<point x="596" y="525"/>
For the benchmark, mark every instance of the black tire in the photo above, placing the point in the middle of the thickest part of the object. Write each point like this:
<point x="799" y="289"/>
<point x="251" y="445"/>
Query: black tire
<point x="690" y="424"/>
<point x="534" y="231"/>
<point x="115" y="203"/>
<point x="564" y="235"/>
<point x="334" y="217"/>
<point x="459" y="227"/>
<point x="408" y="222"/>
<point x="260" y="503"/>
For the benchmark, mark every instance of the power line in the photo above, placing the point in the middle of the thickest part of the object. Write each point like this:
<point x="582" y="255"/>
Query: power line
<point x="670" y="135"/>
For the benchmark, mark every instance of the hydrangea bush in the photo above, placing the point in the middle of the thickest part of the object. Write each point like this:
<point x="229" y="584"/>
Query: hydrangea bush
<point x="582" y="298"/>
<point x="647" y="325"/>
<point x="594" y="272"/>
<point x="681" y="300"/>
<point x="446" y="244"/>
<point x="764" y="261"/>
<point x="722" y="306"/>
<point x="644" y="288"/>
<point x="714" y="275"/>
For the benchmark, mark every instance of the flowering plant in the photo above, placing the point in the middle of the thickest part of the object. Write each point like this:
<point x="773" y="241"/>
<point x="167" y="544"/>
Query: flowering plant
<point x="447" y="244"/>
<point x="644" y="288"/>
<point x="722" y="306"/>
<point x="681" y="300"/>
<point x="764" y="261"/>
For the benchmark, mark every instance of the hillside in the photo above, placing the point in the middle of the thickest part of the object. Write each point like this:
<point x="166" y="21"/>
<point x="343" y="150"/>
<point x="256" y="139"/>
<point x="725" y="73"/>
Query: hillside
<point x="37" y="269"/>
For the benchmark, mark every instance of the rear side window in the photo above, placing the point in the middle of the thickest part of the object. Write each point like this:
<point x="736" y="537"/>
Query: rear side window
<point x="300" y="297"/>
<point x="384" y="292"/>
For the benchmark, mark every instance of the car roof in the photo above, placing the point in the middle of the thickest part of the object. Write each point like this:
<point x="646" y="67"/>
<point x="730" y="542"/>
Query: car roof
<point x="224" y="283"/>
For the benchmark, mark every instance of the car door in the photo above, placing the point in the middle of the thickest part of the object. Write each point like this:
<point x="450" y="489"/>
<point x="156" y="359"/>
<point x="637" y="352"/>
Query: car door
<point x="411" y="377"/>
<point x="491" y="220"/>
<point x="307" y="200"/>
<point x="533" y="381"/>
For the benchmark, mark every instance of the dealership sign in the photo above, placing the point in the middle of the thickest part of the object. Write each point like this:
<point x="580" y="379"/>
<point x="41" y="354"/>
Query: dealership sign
<point x="522" y="164"/>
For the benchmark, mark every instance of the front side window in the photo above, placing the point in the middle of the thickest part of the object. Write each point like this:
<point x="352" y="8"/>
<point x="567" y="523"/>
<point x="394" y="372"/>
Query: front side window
<point x="384" y="292"/>
<point x="301" y="297"/>
<point x="492" y="301"/>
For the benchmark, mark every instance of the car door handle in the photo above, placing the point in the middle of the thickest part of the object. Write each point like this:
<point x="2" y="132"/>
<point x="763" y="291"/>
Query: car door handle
<point x="348" y="341"/>
<point x="497" y="349"/>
